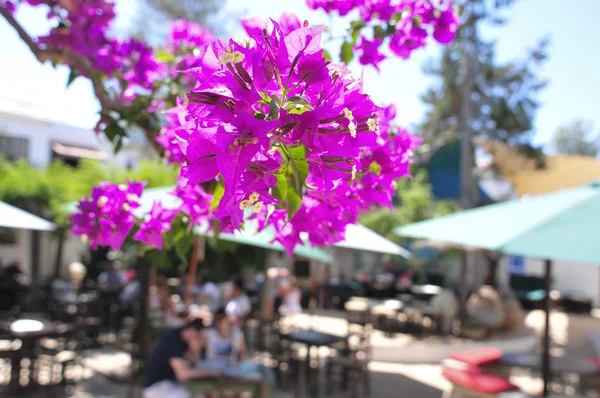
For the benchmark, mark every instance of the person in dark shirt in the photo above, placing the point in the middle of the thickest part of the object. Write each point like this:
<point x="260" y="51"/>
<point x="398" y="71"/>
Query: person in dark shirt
<point x="169" y="362"/>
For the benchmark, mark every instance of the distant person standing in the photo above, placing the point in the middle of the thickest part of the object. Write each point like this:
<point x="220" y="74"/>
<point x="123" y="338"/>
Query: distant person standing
<point x="208" y="293"/>
<point x="110" y="279"/>
<point x="291" y="298"/>
<point x="239" y="305"/>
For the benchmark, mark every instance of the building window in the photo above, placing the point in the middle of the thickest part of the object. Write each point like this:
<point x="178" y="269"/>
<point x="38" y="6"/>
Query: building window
<point x="14" y="148"/>
<point x="8" y="236"/>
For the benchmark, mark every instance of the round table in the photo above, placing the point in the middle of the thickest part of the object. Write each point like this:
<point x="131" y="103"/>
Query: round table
<point x="28" y="331"/>
<point x="425" y="292"/>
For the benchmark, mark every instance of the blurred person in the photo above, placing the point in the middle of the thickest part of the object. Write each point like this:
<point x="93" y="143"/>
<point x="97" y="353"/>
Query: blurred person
<point x="269" y="292"/>
<point x="111" y="278"/>
<point x="225" y="342"/>
<point x="207" y="293"/>
<point x="160" y="300"/>
<point x="13" y="283"/>
<point x="291" y="297"/>
<point x="238" y="306"/>
<point x="169" y="363"/>
<point x="226" y="352"/>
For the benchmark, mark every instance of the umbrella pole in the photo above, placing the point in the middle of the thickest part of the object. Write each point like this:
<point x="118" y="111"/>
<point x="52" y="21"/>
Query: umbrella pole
<point x="546" y="342"/>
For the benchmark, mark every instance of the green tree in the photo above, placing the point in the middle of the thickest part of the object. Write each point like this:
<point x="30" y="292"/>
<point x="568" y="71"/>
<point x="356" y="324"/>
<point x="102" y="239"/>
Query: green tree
<point x="417" y="203"/>
<point x="476" y="95"/>
<point x="576" y="138"/>
<point x="150" y="21"/>
<point x="45" y="192"/>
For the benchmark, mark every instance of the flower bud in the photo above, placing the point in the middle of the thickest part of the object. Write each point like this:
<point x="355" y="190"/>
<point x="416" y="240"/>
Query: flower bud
<point x="352" y="128"/>
<point x="102" y="200"/>
<point x="257" y="207"/>
<point x="125" y="207"/>
<point x="348" y="114"/>
<point x="253" y="197"/>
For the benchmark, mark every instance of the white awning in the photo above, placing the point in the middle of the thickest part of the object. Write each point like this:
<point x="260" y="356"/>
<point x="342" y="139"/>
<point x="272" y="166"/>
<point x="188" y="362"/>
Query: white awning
<point x="12" y="217"/>
<point x="77" y="152"/>
<point x="359" y="237"/>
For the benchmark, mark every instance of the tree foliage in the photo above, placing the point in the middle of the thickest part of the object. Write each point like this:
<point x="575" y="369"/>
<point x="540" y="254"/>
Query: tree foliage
<point x="576" y="138"/>
<point x="475" y="95"/>
<point x="150" y="21"/>
<point x="503" y="95"/>
<point x="416" y="203"/>
<point x="45" y="192"/>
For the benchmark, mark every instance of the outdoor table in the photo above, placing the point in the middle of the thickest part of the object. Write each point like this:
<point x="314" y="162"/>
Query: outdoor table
<point x="226" y="383"/>
<point x="425" y="292"/>
<point x="233" y="379"/>
<point x="388" y="312"/>
<point x="312" y="338"/>
<point x="28" y="331"/>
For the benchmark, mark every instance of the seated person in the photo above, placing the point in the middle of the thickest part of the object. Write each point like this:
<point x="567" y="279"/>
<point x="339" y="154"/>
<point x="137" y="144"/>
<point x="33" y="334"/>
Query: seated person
<point x="168" y="366"/>
<point x="226" y="352"/>
<point x="225" y="342"/>
<point x="239" y="305"/>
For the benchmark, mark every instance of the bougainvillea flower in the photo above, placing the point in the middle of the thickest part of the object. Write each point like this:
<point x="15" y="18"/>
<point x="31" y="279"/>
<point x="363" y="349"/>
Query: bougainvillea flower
<point x="157" y="221"/>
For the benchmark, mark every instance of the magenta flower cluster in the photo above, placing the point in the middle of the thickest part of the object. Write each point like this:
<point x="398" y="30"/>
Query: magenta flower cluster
<point x="407" y="24"/>
<point x="106" y="217"/>
<point x="291" y="138"/>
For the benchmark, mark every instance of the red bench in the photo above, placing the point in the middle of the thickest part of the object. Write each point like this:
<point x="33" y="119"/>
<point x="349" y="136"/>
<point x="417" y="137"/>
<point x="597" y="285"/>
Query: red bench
<point x="464" y="371"/>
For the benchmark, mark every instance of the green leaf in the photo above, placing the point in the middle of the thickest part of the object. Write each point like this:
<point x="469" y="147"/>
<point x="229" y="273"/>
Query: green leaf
<point x="118" y="144"/>
<point x="217" y="195"/>
<point x="355" y="35"/>
<point x="299" y="100"/>
<point x="113" y="130"/>
<point x="326" y="55"/>
<point x="296" y="176"/>
<point x="357" y="25"/>
<point x="299" y="166"/>
<point x="277" y="100"/>
<point x="160" y="259"/>
<point x="378" y="32"/>
<point x="184" y="240"/>
<point x="346" y="53"/>
<point x="294" y="201"/>
<point x="72" y="76"/>
<point x="165" y="57"/>
<point x="273" y="111"/>
<point x="280" y="190"/>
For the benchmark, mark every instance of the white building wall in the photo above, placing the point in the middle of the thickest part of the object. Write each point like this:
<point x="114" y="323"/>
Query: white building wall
<point x="570" y="276"/>
<point x="42" y="133"/>
<point x="73" y="250"/>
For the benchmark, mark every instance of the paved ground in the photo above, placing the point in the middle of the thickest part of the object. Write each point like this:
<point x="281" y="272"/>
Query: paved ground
<point x="388" y="379"/>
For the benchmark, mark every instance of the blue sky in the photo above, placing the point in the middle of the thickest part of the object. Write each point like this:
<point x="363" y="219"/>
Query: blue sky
<point x="573" y="68"/>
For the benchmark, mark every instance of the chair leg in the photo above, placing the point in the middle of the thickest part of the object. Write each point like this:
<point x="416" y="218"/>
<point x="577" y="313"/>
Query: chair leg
<point x="367" y="382"/>
<point x="453" y="393"/>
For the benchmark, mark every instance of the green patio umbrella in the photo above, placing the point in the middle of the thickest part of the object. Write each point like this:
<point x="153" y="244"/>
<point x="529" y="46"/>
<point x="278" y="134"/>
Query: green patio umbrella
<point x="561" y="225"/>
